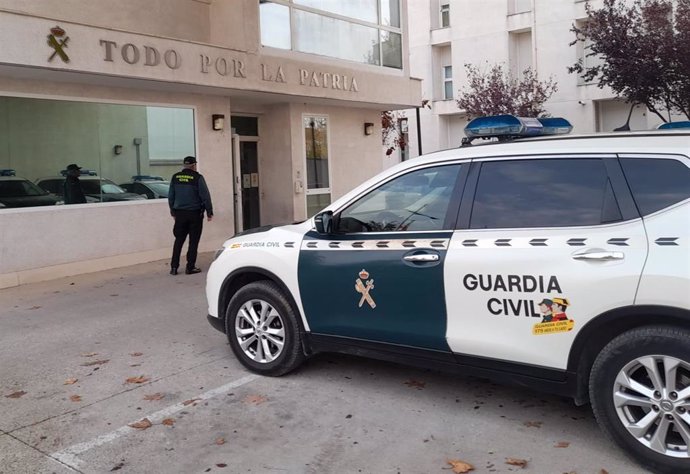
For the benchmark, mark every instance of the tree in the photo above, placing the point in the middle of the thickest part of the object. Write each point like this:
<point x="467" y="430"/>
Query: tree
<point x="643" y="50"/>
<point x="391" y="135"/>
<point x="497" y="92"/>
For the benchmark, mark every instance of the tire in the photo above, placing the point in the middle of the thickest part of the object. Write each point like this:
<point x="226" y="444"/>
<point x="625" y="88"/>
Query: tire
<point x="640" y="393"/>
<point x="263" y="329"/>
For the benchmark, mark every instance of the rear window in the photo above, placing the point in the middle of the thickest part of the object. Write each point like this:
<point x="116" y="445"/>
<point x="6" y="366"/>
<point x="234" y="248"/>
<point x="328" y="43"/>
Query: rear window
<point x="656" y="183"/>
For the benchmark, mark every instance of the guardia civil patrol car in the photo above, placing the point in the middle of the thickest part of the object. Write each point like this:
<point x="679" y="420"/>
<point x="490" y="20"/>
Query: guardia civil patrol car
<point x="560" y="263"/>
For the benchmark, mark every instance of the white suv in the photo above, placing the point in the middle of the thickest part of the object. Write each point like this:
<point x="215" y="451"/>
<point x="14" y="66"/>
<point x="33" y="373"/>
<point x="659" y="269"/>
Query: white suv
<point x="561" y="264"/>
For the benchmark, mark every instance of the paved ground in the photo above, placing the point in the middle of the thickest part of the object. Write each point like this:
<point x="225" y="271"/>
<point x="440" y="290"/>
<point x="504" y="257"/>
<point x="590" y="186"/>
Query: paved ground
<point x="335" y="415"/>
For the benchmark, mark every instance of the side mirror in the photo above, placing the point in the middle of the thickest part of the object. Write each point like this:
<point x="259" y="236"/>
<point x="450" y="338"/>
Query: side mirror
<point x="324" y="222"/>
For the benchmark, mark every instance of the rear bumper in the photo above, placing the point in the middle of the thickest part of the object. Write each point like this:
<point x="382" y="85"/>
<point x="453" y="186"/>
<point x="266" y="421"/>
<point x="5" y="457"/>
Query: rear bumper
<point x="217" y="323"/>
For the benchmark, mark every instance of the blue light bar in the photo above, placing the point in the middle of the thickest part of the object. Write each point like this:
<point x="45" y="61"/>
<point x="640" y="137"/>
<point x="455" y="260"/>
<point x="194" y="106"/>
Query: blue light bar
<point x="82" y="172"/>
<point x="7" y="172"/>
<point x="674" y="125"/>
<point x="509" y="126"/>
<point x="555" y="126"/>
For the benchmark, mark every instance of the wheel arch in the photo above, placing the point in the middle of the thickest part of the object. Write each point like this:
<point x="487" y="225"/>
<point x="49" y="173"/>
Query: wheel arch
<point x="603" y="328"/>
<point x="245" y="275"/>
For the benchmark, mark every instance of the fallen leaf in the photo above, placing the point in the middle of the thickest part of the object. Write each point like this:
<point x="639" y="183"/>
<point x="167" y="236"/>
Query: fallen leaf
<point x="18" y="394"/>
<point x="136" y="354"/>
<point x="95" y="362"/>
<point x="603" y="471"/>
<point x="415" y="384"/>
<point x="138" y="379"/>
<point x="75" y="398"/>
<point x="220" y="441"/>
<point x="154" y="396"/>
<point x="460" y="467"/>
<point x="222" y="464"/>
<point x="89" y="354"/>
<point x="118" y="466"/>
<point x="70" y="381"/>
<point x="254" y="399"/>
<point x="168" y="422"/>
<point x="516" y="462"/>
<point x="135" y="365"/>
<point x="189" y="402"/>
<point x="532" y="424"/>
<point x="141" y="424"/>
<point x="35" y="307"/>
<point x="561" y="444"/>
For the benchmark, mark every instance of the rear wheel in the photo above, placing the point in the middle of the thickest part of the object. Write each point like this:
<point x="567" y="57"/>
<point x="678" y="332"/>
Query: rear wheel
<point x="640" y="392"/>
<point x="263" y="330"/>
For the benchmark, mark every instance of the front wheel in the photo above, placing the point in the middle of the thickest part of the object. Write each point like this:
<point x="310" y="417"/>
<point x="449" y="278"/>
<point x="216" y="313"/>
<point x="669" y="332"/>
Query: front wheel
<point x="263" y="330"/>
<point x="640" y="393"/>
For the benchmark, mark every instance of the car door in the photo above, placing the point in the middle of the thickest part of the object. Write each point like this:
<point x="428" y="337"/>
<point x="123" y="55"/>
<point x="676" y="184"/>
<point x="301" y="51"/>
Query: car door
<point x="379" y="276"/>
<point x="543" y="245"/>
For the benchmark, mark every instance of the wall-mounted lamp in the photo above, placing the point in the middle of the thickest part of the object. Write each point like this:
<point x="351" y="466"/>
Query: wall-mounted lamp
<point x="368" y="128"/>
<point x="117" y="149"/>
<point x="218" y="121"/>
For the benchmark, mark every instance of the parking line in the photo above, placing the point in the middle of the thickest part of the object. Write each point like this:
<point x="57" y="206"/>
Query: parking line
<point x="69" y="456"/>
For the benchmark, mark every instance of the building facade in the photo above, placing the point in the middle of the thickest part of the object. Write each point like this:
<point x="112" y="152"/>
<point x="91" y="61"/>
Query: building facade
<point x="448" y="34"/>
<point x="279" y="101"/>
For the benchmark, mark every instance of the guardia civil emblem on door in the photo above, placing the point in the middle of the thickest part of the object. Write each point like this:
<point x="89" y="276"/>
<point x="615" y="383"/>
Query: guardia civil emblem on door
<point x="363" y="286"/>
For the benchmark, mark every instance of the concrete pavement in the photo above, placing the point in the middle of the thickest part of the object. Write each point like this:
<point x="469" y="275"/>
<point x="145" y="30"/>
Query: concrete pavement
<point x="112" y="329"/>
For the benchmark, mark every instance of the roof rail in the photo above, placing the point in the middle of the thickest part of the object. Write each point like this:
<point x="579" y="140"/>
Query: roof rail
<point x="509" y="127"/>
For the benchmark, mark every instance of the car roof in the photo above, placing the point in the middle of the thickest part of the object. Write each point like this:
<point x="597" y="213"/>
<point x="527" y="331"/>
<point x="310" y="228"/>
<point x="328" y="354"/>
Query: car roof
<point x="647" y="142"/>
<point x="12" y="178"/>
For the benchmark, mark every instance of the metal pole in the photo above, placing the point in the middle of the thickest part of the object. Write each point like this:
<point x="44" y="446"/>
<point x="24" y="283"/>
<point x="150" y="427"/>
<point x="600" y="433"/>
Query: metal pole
<point x="419" y="133"/>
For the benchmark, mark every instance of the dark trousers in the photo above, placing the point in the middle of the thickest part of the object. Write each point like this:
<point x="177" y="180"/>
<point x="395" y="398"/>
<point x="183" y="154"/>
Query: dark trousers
<point x="187" y="223"/>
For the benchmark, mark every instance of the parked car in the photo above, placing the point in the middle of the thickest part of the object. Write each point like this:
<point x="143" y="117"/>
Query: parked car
<point x="153" y="187"/>
<point x="560" y="264"/>
<point x="20" y="192"/>
<point x="96" y="189"/>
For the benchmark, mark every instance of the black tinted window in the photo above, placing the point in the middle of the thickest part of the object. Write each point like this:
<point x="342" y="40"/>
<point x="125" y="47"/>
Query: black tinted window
<point x="656" y="183"/>
<point x="415" y="201"/>
<point x="543" y="193"/>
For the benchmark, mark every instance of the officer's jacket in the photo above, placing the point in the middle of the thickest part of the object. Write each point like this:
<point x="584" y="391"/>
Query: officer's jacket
<point x="188" y="192"/>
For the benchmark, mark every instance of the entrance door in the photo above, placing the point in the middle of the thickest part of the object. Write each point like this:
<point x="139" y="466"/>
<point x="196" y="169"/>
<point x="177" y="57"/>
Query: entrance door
<point x="249" y="183"/>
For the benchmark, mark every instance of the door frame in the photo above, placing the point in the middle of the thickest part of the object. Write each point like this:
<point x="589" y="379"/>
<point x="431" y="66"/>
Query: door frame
<point x="237" y="177"/>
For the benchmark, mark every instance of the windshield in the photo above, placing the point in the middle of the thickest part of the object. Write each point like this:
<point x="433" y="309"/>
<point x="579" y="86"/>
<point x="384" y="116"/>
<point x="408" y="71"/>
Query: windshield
<point x="19" y="188"/>
<point x="159" y="188"/>
<point x="95" y="186"/>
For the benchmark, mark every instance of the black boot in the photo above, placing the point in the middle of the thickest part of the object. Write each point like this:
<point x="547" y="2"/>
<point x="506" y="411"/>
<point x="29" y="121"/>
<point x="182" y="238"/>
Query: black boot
<point x="192" y="270"/>
<point x="173" y="270"/>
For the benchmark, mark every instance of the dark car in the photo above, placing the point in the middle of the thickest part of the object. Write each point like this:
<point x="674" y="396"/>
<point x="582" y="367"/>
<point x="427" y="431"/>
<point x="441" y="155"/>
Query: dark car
<point x="20" y="192"/>
<point x="152" y="187"/>
<point x="96" y="189"/>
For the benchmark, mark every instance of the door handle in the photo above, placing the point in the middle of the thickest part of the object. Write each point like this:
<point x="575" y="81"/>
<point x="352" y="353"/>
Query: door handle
<point x="424" y="257"/>
<point x="598" y="255"/>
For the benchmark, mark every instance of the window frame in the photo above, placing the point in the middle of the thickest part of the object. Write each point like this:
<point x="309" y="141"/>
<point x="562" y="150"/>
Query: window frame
<point x="317" y="191"/>
<point x="444" y="11"/>
<point x="447" y="80"/>
<point x="378" y="25"/>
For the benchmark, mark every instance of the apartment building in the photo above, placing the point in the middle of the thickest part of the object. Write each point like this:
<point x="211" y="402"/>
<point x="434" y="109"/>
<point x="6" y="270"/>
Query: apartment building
<point x="445" y="35"/>
<point x="279" y="101"/>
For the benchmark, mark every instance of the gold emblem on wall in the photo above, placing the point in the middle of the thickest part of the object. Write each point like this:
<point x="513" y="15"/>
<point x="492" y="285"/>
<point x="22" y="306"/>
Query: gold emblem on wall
<point x="363" y="286"/>
<point x="58" y="41"/>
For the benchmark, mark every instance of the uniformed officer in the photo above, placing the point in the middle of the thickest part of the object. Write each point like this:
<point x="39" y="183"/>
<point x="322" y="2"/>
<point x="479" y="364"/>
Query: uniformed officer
<point x="188" y="198"/>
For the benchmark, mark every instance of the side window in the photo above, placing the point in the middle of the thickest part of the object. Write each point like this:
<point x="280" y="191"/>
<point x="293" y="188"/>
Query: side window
<point x="416" y="201"/>
<point x="656" y="183"/>
<point x="543" y="193"/>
